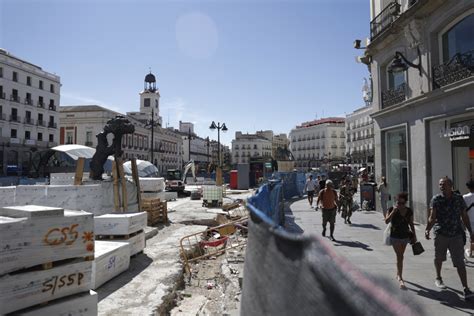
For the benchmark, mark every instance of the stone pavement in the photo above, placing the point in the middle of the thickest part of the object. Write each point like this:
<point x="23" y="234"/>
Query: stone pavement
<point x="361" y="243"/>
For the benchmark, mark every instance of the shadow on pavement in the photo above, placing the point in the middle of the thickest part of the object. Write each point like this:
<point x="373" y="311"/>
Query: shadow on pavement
<point x="353" y="244"/>
<point x="449" y="297"/>
<point x="137" y="265"/>
<point x="369" y="226"/>
<point x="290" y="224"/>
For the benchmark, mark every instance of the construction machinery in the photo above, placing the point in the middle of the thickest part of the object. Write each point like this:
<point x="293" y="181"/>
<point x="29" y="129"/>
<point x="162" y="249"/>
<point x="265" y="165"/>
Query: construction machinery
<point x="176" y="180"/>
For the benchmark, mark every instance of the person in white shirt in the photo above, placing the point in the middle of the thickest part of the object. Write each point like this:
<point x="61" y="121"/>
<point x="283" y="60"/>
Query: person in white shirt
<point x="469" y="199"/>
<point x="309" y="188"/>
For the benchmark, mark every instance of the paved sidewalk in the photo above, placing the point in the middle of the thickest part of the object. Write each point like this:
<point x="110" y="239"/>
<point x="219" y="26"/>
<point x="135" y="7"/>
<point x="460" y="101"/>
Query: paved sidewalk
<point x="361" y="243"/>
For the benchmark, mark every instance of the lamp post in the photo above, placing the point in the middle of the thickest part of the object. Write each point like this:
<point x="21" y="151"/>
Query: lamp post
<point x="219" y="127"/>
<point x="152" y="123"/>
<point x="189" y="144"/>
<point x="401" y="64"/>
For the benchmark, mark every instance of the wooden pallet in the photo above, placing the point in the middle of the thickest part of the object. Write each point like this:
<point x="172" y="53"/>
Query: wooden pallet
<point x="112" y="237"/>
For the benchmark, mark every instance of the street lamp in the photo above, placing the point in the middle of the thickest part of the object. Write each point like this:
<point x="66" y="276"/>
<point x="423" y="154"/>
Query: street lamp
<point x="219" y="127"/>
<point x="401" y="64"/>
<point x="152" y="123"/>
<point x="190" y="137"/>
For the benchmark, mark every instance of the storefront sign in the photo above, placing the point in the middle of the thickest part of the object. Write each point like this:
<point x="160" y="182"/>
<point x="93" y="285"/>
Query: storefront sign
<point x="455" y="133"/>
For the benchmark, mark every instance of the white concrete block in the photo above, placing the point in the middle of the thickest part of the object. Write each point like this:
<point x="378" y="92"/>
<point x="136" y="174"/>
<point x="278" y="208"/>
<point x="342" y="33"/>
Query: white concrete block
<point x="64" y="196"/>
<point x="83" y="304"/>
<point x="28" y="242"/>
<point x="31" y="211"/>
<point x="152" y="184"/>
<point x="23" y="290"/>
<point x="30" y="195"/>
<point x="111" y="259"/>
<point x="136" y="243"/>
<point x="119" y="223"/>
<point x="90" y="198"/>
<point x="7" y="195"/>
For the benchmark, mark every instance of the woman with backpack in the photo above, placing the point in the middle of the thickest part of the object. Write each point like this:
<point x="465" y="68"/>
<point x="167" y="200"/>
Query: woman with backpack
<point x="402" y="231"/>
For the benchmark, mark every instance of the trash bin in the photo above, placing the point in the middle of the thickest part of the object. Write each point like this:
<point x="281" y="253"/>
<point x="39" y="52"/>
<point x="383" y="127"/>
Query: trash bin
<point x="367" y="193"/>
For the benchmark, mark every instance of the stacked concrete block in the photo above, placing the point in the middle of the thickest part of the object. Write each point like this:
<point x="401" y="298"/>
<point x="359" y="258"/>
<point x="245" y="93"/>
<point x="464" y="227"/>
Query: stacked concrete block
<point x="153" y="188"/>
<point x="7" y="195"/>
<point x="32" y="235"/>
<point x="46" y="254"/>
<point x="30" y="195"/>
<point x="111" y="259"/>
<point x="83" y="304"/>
<point x="123" y="227"/>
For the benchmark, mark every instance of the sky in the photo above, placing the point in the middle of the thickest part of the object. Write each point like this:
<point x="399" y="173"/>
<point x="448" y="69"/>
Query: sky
<point x="251" y="64"/>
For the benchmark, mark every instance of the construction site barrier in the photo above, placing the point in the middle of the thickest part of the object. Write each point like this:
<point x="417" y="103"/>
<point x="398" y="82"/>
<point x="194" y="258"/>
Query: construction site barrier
<point x="297" y="274"/>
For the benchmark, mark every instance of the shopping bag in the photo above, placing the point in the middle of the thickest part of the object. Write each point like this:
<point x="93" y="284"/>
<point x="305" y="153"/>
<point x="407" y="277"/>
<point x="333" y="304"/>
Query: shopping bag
<point x="386" y="235"/>
<point x="417" y="248"/>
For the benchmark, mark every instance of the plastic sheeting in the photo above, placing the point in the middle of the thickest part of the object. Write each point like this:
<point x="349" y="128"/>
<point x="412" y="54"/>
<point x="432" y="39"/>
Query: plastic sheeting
<point x="296" y="274"/>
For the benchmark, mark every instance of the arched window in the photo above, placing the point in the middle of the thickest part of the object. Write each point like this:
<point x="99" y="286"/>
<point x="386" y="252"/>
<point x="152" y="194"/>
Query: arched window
<point x="459" y="39"/>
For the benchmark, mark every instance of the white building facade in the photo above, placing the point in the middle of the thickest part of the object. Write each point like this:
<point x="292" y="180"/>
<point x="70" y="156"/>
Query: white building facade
<point x="360" y="148"/>
<point x="318" y="143"/>
<point x="29" y="99"/>
<point x="248" y="146"/>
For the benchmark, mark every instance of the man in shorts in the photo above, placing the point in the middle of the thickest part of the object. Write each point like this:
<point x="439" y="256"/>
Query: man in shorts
<point x="448" y="212"/>
<point x="328" y="199"/>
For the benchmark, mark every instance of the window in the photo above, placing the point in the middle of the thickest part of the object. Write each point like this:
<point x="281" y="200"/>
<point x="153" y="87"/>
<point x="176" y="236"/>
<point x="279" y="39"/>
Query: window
<point x="89" y="136"/>
<point x="13" y="133"/>
<point x="51" y="137"/>
<point x="51" y="88"/>
<point x="28" y="97"/>
<point x="27" y="134"/>
<point x="40" y="119"/>
<point x="458" y="39"/>
<point x="40" y="136"/>
<point x="69" y="138"/>
<point x="1" y="72"/>
<point x="396" y="160"/>
<point x="156" y="104"/>
<point x="15" y="76"/>
<point x="40" y="102"/>
<point x="146" y="102"/>
<point x="41" y="84"/>
<point x="15" y="95"/>
<point x="28" y="80"/>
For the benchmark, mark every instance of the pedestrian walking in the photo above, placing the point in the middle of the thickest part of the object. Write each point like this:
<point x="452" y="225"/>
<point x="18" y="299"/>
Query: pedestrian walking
<point x="346" y="201"/>
<point x="328" y="199"/>
<point x="448" y="212"/>
<point x="384" y="195"/>
<point x="309" y="188"/>
<point x="402" y="231"/>
<point x="322" y="182"/>
<point x="469" y="200"/>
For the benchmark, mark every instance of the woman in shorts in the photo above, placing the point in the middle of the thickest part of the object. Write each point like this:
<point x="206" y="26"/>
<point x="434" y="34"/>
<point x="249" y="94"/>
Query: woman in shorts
<point x="402" y="231"/>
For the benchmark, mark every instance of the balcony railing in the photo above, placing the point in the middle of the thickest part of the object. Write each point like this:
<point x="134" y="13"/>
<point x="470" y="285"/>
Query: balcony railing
<point x="15" y="118"/>
<point x="41" y="104"/>
<point x="460" y="67"/>
<point x="52" y="125"/>
<point x="29" y="120"/>
<point x="384" y="19"/>
<point x="40" y="123"/>
<point x="28" y="101"/>
<point x="394" y="96"/>
<point x="14" y="98"/>
<point x="52" y="107"/>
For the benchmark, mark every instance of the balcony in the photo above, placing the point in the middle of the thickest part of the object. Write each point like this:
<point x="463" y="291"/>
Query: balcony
<point x="15" y="118"/>
<point x="52" y="107"/>
<point x="394" y="96"/>
<point x="52" y="125"/>
<point x="387" y="16"/>
<point x="29" y="120"/>
<point x="28" y="102"/>
<point x="41" y="104"/>
<point x="89" y="143"/>
<point x="14" y="98"/>
<point x="40" y="123"/>
<point x="460" y="67"/>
